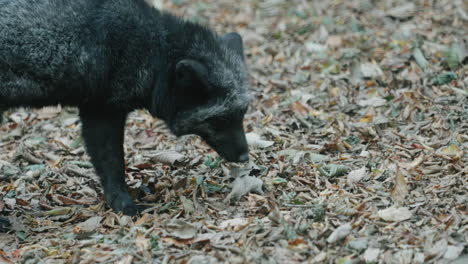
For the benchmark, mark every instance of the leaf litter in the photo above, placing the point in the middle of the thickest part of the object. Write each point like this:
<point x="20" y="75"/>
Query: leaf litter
<point x="359" y="139"/>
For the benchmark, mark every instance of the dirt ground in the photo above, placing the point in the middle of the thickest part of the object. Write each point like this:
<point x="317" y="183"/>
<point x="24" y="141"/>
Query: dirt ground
<point x="358" y="135"/>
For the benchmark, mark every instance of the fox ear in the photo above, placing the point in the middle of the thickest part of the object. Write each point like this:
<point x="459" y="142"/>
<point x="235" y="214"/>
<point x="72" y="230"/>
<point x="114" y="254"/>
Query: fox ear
<point x="189" y="72"/>
<point x="234" y="41"/>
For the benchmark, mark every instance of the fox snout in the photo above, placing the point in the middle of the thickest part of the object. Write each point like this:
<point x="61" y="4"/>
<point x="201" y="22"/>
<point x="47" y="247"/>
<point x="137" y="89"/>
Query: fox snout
<point x="230" y="143"/>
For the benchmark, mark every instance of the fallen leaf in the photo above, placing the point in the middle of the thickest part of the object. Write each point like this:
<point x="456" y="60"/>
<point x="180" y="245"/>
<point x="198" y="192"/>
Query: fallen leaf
<point x="356" y="176"/>
<point x="315" y="47"/>
<point x="414" y="164"/>
<point x="400" y="189"/>
<point x="255" y="140"/>
<point x="340" y="233"/>
<point x="187" y="204"/>
<point x="70" y="121"/>
<point x="455" y="55"/>
<point x="5" y="260"/>
<point x="181" y="229"/>
<point x="88" y="227"/>
<point x="373" y="101"/>
<point x="420" y="59"/>
<point x="202" y="259"/>
<point x="333" y="170"/>
<point x="127" y="259"/>
<point x="359" y="244"/>
<point x="444" y="78"/>
<point x="142" y="243"/>
<point x="371" y="255"/>
<point x="453" y="252"/>
<point x="438" y="249"/>
<point x="334" y="41"/>
<point x="300" y="109"/>
<point x="463" y="259"/>
<point x="235" y="224"/>
<point x="371" y="70"/>
<point x="10" y="202"/>
<point x="402" y="11"/>
<point x="168" y="157"/>
<point x="244" y="185"/>
<point x="58" y="211"/>
<point x="395" y="214"/>
<point x="48" y="112"/>
<point x="452" y="151"/>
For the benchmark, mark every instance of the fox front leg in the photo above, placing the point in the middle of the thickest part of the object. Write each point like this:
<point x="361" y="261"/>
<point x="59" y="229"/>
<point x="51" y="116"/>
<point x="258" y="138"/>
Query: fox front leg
<point x="103" y="133"/>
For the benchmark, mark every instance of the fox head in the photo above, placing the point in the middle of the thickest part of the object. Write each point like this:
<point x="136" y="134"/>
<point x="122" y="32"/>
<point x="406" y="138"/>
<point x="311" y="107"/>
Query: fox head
<point x="210" y="89"/>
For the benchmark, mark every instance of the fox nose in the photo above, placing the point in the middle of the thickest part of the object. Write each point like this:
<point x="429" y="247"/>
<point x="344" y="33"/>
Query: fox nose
<point x="244" y="157"/>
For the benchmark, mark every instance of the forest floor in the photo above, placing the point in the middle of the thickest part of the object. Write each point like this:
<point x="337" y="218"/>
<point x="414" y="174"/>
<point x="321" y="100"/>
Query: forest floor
<point x="358" y="135"/>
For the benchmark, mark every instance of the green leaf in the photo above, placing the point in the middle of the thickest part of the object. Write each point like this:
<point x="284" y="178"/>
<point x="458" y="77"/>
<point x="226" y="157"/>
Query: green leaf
<point x="316" y="158"/>
<point x="352" y="140"/>
<point x="179" y="2"/>
<point x="453" y="56"/>
<point x="344" y="260"/>
<point x="200" y="179"/>
<point x="209" y="162"/>
<point x="154" y="242"/>
<point x="279" y="180"/>
<point x="305" y="29"/>
<point x="76" y="143"/>
<point x="297" y="201"/>
<point x="289" y="230"/>
<point x="333" y="170"/>
<point x="212" y="188"/>
<point x="11" y="194"/>
<point x="21" y="235"/>
<point x="277" y="35"/>
<point x="444" y="78"/>
<point x="81" y="164"/>
<point x="167" y="207"/>
<point x="35" y="167"/>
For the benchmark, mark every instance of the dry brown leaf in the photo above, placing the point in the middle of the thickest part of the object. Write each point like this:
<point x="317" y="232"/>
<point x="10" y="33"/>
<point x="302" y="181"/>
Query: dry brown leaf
<point x="400" y="189"/>
<point x="168" y="157"/>
<point x="48" y="112"/>
<point x="235" y="224"/>
<point x="142" y="243"/>
<point x="414" y="164"/>
<point x="88" y="227"/>
<point x="452" y="151"/>
<point x="181" y="230"/>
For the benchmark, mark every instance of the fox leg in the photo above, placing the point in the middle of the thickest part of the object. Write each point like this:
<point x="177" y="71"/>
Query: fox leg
<point x="103" y="133"/>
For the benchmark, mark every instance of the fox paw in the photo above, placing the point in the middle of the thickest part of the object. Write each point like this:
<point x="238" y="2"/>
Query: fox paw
<point x="123" y="202"/>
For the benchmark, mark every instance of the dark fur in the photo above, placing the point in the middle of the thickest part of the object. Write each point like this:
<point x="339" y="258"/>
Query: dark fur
<point x="109" y="57"/>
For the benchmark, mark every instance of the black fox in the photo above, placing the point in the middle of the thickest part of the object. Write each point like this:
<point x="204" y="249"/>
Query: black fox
<point x="109" y="57"/>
